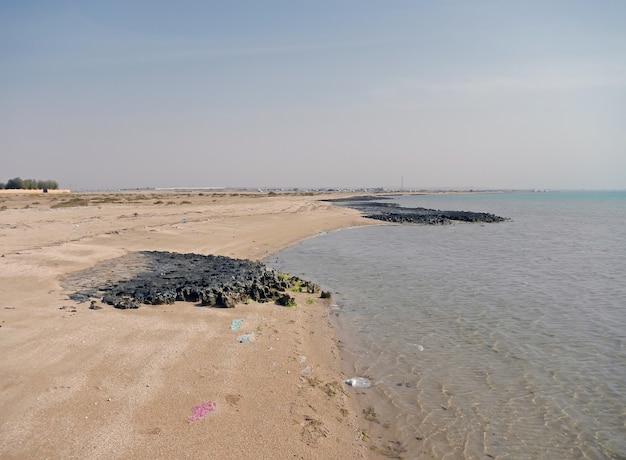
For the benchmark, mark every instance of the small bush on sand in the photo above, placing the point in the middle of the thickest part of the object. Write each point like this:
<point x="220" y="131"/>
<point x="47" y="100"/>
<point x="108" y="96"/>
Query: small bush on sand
<point x="72" y="202"/>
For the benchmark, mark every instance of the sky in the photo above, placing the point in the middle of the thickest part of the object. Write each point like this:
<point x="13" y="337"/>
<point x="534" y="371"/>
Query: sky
<point x="491" y="94"/>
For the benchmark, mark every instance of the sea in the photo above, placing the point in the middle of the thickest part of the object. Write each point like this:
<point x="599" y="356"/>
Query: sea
<point x="502" y="340"/>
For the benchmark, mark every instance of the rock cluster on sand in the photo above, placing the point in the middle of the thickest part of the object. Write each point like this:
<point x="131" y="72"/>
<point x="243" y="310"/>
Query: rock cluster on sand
<point x="155" y="278"/>
<point x="393" y="212"/>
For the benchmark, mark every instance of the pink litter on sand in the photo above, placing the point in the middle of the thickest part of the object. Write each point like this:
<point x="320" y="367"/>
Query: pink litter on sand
<point x="201" y="410"/>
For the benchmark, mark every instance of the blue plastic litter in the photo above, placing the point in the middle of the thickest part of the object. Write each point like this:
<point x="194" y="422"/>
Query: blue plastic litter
<point x="235" y="324"/>
<point x="245" y="338"/>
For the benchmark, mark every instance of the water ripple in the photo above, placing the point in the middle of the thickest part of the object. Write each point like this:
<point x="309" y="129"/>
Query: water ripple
<point x="501" y="341"/>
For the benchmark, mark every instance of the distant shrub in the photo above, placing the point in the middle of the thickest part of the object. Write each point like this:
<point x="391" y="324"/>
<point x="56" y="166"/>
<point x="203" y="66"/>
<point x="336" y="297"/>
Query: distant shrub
<point x="15" y="184"/>
<point x="72" y="202"/>
<point x="18" y="183"/>
<point x="106" y="199"/>
<point x="47" y="184"/>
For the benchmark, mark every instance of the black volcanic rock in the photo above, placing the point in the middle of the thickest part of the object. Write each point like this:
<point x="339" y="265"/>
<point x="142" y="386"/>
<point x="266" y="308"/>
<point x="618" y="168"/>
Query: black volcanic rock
<point x="155" y="278"/>
<point x="393" y="212"/>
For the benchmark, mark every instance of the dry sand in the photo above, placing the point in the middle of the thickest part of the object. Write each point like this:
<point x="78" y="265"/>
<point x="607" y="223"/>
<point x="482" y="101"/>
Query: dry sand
<point x="112" y="384"/>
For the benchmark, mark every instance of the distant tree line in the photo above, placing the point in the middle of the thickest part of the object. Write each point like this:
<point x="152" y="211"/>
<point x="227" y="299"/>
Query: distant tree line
<point x="29" y="184"/>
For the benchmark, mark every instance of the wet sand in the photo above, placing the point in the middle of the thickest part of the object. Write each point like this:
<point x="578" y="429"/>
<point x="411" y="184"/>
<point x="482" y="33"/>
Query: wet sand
<point x="107" y="383"/>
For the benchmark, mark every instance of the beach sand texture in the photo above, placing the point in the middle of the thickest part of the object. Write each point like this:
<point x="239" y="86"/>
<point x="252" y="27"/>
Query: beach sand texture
<point x="82" y="383"/>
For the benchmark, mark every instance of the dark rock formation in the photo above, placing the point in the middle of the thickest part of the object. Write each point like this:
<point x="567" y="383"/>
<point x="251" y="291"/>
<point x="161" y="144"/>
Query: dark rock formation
<point x="155" y="278"/>
<point x="393" y="212"/>
<point x="286" y="300"/>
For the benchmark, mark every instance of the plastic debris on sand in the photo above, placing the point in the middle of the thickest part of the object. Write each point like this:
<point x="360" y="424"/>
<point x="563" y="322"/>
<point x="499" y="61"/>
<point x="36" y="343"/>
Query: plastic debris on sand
<point x="200" y="411"/>
<point x="245" y="338"/>
<point x="358" y="382"/>
<point x="235" y="324"/>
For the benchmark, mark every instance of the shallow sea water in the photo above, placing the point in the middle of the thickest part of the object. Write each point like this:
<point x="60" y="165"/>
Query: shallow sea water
<point x="499" y="340"/>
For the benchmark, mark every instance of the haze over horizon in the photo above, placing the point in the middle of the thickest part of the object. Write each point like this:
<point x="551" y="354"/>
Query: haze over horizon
<point x="453" y="94"/>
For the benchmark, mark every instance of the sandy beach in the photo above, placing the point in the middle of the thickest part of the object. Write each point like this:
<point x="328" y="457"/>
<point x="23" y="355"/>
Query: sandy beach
<point x="107" y="383"/>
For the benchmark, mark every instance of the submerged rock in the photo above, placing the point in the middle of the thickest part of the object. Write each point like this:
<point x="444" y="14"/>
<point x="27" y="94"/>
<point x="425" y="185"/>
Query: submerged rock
<point x="393" y="212"/>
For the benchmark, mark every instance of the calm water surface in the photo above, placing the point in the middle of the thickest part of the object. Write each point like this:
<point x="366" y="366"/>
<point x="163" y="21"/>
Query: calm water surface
<point x="487" y="340"/>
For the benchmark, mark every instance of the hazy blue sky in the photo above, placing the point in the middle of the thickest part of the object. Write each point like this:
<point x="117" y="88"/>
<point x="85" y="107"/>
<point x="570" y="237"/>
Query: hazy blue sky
<point x="494" y="94"/>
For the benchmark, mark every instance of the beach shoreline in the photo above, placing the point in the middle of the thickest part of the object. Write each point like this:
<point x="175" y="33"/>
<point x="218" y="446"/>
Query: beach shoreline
<point x="84" y="383"/>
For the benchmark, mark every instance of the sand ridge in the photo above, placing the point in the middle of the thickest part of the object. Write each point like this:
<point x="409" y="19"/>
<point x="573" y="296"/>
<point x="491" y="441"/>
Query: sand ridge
<point x="81" y="383"/>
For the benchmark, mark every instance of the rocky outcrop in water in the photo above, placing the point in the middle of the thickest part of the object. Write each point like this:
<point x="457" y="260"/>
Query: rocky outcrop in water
<point x="393" y="212"/>
<point x="157" y="278"/>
